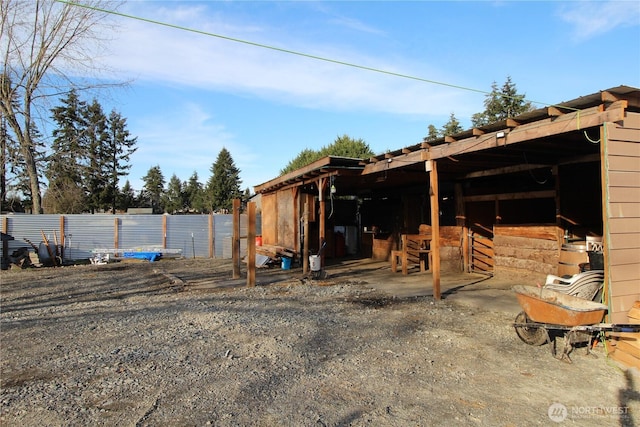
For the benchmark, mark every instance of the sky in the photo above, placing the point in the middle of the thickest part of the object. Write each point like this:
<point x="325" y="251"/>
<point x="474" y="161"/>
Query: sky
<point x="192" y="93"/>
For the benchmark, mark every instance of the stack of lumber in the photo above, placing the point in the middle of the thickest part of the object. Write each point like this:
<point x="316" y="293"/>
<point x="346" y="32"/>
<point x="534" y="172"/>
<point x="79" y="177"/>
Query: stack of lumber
<point x="275" y="252"/>
<point x="627" y="344"/>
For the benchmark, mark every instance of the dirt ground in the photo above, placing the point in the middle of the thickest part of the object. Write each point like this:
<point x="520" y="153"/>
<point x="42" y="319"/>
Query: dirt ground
<point x="177" y="342"/>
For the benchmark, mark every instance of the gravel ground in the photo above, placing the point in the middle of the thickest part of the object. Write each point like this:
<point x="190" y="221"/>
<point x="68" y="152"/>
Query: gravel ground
<point x="168" y="344"/>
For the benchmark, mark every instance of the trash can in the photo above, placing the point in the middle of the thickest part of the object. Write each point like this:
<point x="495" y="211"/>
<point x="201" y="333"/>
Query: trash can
<point x="286" y="263"/>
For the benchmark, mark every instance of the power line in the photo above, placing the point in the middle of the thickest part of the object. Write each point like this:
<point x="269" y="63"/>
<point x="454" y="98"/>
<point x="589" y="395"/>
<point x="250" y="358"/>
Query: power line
<point x="293" y="52"/>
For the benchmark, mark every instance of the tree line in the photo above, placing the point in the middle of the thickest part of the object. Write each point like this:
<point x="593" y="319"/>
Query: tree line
<point x="89" y="154"/>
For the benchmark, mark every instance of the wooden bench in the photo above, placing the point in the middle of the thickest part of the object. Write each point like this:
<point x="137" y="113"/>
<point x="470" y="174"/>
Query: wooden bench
<point x="414" y="248"/>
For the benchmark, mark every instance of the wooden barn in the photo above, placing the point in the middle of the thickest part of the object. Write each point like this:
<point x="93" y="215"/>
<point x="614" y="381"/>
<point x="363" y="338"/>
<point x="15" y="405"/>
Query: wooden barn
<point x="551" y="191"/>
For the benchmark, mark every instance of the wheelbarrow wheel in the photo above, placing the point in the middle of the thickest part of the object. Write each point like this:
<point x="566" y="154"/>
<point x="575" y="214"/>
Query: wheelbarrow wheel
<point x="532" y="335"/>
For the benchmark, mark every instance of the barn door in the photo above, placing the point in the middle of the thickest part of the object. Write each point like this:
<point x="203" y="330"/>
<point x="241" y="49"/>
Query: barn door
<point x="480" y="253"/>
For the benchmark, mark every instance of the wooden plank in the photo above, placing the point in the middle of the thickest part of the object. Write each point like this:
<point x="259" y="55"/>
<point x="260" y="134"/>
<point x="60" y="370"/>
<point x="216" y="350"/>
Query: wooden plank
<point x="624" y="256"/>
<point x="634" y="313"/>
<point x="622" y="210"/>
<point x="623" y="163"/>
<point x="624" y="194"/>
<point x="630" y="347"/>
<point x="624" y="178"/>
<point x="622" y="134"/>
<point x="623" y="148"/>
<point x="623" y="226"/>
<point x="584" y="119"/>
<point x="543" y="232"/>
<point x="528" y="195"/>
<point x="629" y="287"/>
<point x="624" y="241"/>
<point x="625" y="272"/>
<point x="625" y="359"/>
<point x="632" y="120"/>
<point x="623" y="303"/>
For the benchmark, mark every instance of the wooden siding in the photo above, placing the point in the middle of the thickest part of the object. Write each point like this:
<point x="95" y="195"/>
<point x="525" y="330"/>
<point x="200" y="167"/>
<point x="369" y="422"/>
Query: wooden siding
<point x="621" y="178"/>
<point x="269" y="219"/>
<point x="286" y="218"/>
<point x="528" y="252"/>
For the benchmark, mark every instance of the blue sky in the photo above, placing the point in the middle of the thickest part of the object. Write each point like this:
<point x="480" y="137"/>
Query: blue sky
<point x="192" y="94"/>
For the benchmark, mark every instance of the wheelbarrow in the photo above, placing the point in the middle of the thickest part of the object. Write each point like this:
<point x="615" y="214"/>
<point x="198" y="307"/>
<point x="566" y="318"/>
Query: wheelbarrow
<point x="547" y="312"/>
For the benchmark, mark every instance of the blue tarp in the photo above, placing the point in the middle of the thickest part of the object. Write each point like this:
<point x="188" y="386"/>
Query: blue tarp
<point x="151" y="256"/>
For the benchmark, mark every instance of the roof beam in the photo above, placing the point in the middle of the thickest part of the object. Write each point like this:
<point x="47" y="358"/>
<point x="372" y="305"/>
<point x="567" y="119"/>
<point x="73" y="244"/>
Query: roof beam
<point x="569" y="122"/>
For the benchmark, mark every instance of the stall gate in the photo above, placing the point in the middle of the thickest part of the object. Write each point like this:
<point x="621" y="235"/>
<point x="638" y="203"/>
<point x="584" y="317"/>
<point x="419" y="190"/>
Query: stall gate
<point x="480" y="254"/>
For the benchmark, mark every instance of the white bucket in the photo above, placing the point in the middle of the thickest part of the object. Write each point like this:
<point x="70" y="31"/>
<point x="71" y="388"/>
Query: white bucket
<point x="314" y="261"/>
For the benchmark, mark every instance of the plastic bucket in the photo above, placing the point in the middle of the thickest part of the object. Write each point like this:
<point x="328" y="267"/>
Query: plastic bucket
<point x="258" y="240"/>
<point x="286" y="263"/>
<point x="315" y="262"/>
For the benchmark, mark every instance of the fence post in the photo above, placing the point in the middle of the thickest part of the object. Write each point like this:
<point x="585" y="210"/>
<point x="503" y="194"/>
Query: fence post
<point x="251" y="244"/>
<point x="211" y="237"/>
<point x="235" y="240"/>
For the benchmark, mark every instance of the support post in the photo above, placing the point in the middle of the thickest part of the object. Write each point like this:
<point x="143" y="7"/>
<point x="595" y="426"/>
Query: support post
<point x="322" y="183"/>
<point x="235" y="239"/>
<point x="305" y="249"/>
<point x="116" y="233"/>
<point x="435" y="226"/>
<point x="62" y="237"/>
<point x="211" y="236"/>
<point x="164" y="231"/>
<point x="251" y="244"/>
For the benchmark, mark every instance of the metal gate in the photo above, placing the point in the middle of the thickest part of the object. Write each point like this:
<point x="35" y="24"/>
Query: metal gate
<point x="480" y="253"/>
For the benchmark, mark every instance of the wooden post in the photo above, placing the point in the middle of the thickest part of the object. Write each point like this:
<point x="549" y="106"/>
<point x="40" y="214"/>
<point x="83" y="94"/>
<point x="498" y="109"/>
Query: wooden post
<point x="116" y="234"/>
<point x="61" y="242"/>
<point x="235" y="239"/>
<point x="164" y="231"/>
<point x="461" y="221"/>
<point x="322" y="182"/>
<point x="305" y="249"/>
<point x="5" y="244"/>
<point x="211" y="236"/>
<point x="251" y="244"/>
<point x="435" y="226"/>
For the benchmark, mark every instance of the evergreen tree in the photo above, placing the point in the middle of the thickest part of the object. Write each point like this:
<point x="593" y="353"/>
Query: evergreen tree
<point x="342" y="146"/>
<point x="174" y="197"/>
<point x="63" y="172"/>
<point x="224" y="184"/>
<point x="501" y="104"/>
<point x="95" y="168"/>
<point x="433" y="133"/>
<point x="126" y="198"/>
<point x="194" y="194"/>
<point x="153" y="190"/>
<point x="118" y="150"/>
<point x="452" y="126"/>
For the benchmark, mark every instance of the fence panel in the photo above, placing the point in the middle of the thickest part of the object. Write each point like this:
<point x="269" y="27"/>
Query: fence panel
<point x="83" y="233"/>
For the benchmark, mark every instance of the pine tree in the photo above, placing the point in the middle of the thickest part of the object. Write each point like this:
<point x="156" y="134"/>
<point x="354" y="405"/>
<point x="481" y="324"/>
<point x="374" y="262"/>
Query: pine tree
<point x="224" y="184"/>
<point x="452" y="126"/>
<point x="152" y="193"/>
<point x="95" y="168"/>
<point x="126" y="198"/>
<point x="433" y="133"/>
<point x="174" y="197"/>
<point x="194" y="194"/>
<point x="64" y="173"/>
<point x="118" y="150"/>
<point x="501" y="104"/>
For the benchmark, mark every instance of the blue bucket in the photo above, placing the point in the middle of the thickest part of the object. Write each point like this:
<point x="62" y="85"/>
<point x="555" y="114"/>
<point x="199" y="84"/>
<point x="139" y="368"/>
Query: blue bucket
<point x="286" y="263"/>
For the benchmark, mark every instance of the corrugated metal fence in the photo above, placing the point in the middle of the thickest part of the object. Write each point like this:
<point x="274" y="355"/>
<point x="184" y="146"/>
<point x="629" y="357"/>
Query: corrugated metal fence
<point x="197" y="236"/>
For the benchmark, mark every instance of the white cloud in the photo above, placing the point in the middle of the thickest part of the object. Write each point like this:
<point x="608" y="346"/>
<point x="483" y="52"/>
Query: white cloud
<point x="592" y="18"/>
<point x="170" y="56"/>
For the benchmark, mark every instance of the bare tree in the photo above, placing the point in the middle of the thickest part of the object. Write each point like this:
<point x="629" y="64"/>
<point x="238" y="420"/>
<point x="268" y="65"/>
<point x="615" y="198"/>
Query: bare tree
<point x="47" y="48"/>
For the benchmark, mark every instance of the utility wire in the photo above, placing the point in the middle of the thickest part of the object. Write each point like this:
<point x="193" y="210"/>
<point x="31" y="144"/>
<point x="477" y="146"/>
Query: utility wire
<point x="293" y="52"/>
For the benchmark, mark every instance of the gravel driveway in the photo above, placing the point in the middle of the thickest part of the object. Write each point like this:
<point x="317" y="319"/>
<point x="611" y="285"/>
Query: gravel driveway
<point x="168" y="344"/>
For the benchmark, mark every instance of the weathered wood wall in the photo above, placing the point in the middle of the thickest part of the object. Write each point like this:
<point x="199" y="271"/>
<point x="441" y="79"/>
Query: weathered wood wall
<point x="529" y="252"/>
<point x="621" y="182"/>
<point x="269" y="219"/>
